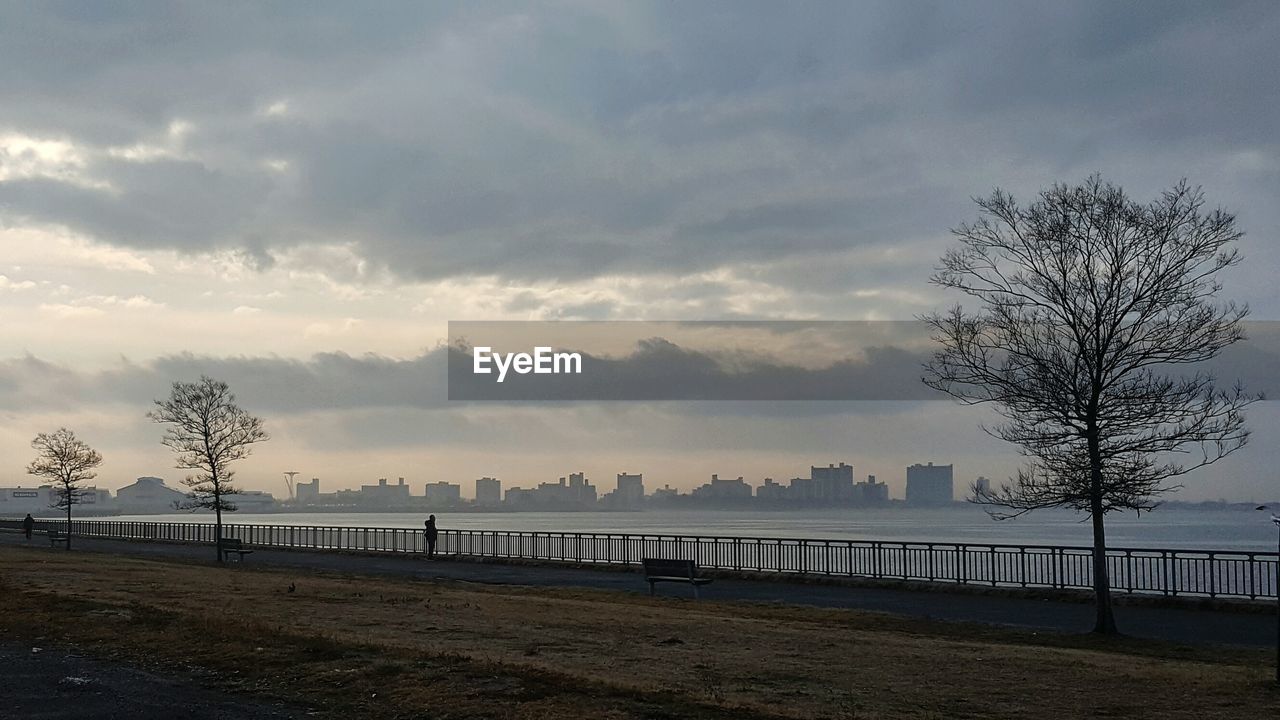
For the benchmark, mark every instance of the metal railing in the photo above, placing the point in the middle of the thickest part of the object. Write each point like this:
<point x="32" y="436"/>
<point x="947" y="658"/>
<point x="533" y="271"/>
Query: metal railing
<point x="1209" y="573"/>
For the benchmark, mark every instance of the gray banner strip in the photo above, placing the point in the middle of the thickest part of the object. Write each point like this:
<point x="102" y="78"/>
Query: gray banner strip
<point x="735" y="360"/>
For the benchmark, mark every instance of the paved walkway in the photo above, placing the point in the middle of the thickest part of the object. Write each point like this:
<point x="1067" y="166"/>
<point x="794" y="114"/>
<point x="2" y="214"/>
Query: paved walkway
<point x="1171" y="624"/>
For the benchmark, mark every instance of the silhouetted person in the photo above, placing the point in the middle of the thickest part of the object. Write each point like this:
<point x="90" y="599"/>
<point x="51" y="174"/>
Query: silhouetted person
<point x="430" y="533"/>
<point x="28" y="524"/>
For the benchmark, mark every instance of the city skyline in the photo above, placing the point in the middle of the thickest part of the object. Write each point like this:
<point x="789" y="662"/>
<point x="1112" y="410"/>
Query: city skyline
<point x="649" y="486"/>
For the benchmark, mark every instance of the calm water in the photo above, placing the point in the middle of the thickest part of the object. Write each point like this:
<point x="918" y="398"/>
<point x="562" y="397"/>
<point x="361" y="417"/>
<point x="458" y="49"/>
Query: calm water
<point x="1191" y="529"/>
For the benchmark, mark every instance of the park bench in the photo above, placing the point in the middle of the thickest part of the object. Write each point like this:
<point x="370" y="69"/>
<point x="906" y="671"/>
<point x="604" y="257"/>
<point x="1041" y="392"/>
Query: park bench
<point x="57" y="536"/>
<point x="233" y="545"/>
<point x="658" y="570"/>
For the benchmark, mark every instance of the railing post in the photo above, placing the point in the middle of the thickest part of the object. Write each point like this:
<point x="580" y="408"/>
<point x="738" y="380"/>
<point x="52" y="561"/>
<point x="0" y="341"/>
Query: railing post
<point x="1213" y="575"/>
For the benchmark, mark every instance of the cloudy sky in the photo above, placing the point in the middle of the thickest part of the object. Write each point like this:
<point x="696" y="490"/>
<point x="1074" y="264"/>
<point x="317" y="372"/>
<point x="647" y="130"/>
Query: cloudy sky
<point x="298" y="197"/>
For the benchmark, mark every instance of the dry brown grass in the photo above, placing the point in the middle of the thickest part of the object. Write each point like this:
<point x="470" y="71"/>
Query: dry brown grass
<point x="454" y="649"/>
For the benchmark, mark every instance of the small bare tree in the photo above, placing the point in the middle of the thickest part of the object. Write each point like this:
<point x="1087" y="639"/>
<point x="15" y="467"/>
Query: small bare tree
<point x="1091" y="302"/>
<point x="67" y="461"/>
<point x="208" y="431"/>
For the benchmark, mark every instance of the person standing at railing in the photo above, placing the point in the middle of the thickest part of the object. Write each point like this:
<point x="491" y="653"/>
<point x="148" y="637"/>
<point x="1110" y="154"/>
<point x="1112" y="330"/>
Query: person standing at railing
<point x="28" y="524"/>
<point x="430" y="533"/>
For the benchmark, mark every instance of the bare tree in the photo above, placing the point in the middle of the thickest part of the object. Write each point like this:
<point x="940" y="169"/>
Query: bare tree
<point x="208" y="431"/>
<point x="1093" y="306"/>
<point x="67" y="461"/>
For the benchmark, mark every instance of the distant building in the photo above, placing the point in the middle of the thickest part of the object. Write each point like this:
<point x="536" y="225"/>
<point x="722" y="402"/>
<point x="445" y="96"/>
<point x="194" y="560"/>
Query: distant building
<point x="443" y="493"/>
<point x="930" y="485"/>
<point x="41" y="500"/>
<point x="802" y="490"/>
<point x="253" y="501"/>
<point x="488" y="491"/>
<point x="580" y="490"/>
<point x="574" y="492"/>
<point x="871" y="492"/>
<point x="723" y="489"/>
<point x="308" y="493"/>
<point x="665" y="493"/>
<point x="832" y="483"/>
<point x="520" y="497"/>
<point x="771" y="490"/>
<point x="383" y="495"/>
<point x="148" y="495"/>
<point x="629" y="493"/>
<point x="630" y="487"/>
<point x="981" y="486"/>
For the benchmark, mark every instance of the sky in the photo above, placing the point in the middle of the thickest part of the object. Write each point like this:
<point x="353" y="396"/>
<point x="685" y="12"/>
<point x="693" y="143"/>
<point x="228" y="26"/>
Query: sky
<point x="298" y="198"/>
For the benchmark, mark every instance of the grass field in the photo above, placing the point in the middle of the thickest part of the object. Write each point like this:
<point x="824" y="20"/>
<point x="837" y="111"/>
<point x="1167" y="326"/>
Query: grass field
<point x="353" y="646"/>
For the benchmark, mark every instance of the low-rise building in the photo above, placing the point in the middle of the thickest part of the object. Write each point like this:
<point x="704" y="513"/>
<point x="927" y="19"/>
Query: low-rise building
<point x="871" y="492"/>
<point x="443" y="493"/>
<point x="253" y="501"/>
<point x="148" y="495"/>
<point x="723" y="489"/>
<point x="43" y="500"/>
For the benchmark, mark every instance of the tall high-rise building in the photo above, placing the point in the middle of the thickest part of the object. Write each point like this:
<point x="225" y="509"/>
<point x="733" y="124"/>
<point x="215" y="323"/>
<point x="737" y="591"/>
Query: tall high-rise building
<point x="308" y="492"/>
<point x="833" y="482"/>
<point x="630" y="488"/>
<point x="488" y="491"/>
<point x="579" y="490"/>
<point x="981" y="486"/>
<point x="930" y="485"/>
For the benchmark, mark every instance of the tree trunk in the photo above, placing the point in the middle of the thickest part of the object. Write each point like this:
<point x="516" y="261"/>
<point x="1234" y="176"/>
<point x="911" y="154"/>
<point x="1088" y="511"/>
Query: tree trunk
<point x="217" y="527"/>
<point x="68" y="498"/>
<point x="1105" y="621"/>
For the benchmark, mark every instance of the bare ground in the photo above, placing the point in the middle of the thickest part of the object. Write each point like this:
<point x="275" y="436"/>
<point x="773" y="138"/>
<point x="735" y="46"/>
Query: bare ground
<point x="381" y="647"/>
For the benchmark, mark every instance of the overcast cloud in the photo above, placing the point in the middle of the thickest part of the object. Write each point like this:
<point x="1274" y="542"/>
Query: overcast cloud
<point x="307" y="192"/>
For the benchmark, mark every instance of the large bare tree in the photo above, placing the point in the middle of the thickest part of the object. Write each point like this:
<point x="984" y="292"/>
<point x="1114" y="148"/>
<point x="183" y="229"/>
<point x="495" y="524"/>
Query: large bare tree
<point x="1093" y="307"/>
<point x="67" y="461"/>
<point x="208" y="431"/>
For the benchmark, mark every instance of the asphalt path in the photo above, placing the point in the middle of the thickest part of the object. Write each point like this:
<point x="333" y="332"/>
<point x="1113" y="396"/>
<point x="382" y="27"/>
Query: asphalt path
<point x="1192" y="626"/>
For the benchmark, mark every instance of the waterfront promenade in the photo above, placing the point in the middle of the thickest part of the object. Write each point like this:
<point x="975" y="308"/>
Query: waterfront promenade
<point x="1172" y="624"/>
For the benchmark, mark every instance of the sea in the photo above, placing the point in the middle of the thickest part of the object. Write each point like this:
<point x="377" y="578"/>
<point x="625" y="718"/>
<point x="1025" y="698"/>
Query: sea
<point x="1234" y="529"/>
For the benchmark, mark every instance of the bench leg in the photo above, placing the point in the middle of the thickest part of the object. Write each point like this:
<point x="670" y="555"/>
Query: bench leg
<point x="651" y="584"/>
<point x="695" y="590"/>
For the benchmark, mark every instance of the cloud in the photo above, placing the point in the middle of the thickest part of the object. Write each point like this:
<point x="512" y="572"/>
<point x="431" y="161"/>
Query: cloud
<point x="571" y="142"/>
<point x="133" y="302"/>
<point x="869" y="375"/>
<point x="67" y="312"/>
<point x="15" y="285"/>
